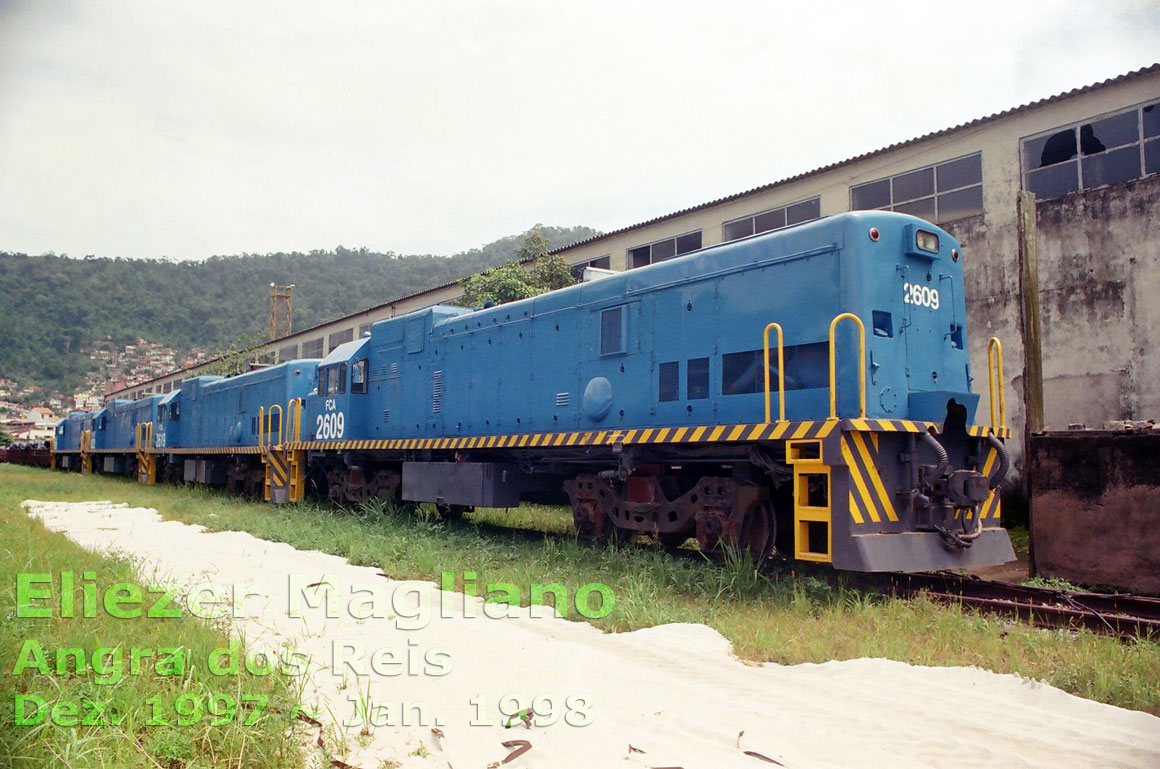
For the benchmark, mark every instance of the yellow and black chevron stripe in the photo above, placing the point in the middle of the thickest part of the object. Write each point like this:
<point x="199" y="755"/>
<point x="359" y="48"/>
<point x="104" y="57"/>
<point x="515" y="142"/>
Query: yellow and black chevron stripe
<point x="990" y="507"/>
<point x="911" y="426"/>
<point x="277" y="464"/>
<point x="869" y="498"/>
<point x="745" y="433"/>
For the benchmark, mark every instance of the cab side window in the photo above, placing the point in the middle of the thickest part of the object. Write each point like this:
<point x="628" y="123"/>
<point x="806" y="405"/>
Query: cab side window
<point x="358" y="376"/>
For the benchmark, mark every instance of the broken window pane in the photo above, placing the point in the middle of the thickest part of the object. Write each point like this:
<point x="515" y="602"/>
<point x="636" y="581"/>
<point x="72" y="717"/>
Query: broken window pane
<point x="738" y="229"/>
<point x="1114" y="131"/>
<point x="1059" y="147"/>
<point x="960" y="204"/>
<point x="916" y="184"/>
<point x="803" y="212"/>
<point x="770" y="220"/>
<point x="1111" y="167"/>
<point x="872" y="195"/>
<point x="1053" y="182"/>
<point x="960" y="173"/>
<point x="1152" y="120"/>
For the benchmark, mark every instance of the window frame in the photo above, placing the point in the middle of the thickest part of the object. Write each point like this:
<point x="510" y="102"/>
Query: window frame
<point x="359" y="388"/>
<point x="934" y="196"/>
<point x="623" y="348"/>
<point x="784" y="209"/>
<point x="1142" y="141"/>
<point x="629" y="258"/>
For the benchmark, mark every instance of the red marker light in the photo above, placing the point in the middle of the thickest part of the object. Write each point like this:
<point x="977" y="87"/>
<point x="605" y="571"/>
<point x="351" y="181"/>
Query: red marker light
<point x="874" y="233"/>
<point x="955" y="254"/>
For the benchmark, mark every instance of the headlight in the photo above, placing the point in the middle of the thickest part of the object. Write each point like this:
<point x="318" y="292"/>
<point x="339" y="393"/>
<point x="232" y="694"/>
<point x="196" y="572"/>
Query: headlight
<point x="927" y="241"/>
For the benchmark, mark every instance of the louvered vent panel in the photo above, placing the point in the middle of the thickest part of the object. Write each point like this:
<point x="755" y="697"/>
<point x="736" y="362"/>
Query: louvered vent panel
<point x="563" y="399"/>
<point x="436" y="391"/>
<point x="386" y="415"/>
<point x="670" y="381"/>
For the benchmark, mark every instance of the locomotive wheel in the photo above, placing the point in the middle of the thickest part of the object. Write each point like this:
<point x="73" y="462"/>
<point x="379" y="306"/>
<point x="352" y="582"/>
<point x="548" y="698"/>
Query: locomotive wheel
<point x="317" y="487"/>
<point x="754" y="539"/>
<point x="758" y="531"/>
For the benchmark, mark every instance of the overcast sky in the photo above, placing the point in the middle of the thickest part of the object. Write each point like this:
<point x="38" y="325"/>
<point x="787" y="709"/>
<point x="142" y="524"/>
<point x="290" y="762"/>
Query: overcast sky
<point x="187" y="129"/>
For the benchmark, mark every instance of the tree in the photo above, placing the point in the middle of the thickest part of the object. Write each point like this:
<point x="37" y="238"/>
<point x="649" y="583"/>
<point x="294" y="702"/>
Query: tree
<point x="237" y="357"/>
<point x="511" y="282"/>
<point x="5" y="438"/>
<point x="499" y="285"/>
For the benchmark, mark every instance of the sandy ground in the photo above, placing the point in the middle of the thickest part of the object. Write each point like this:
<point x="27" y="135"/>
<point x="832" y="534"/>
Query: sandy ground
<point x="669" y="696"/>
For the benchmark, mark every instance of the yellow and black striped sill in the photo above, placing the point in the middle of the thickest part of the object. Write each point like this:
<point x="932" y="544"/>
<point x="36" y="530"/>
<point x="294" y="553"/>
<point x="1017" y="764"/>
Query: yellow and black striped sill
<point x="911" y="426"/>
<point x="743" y="433"/>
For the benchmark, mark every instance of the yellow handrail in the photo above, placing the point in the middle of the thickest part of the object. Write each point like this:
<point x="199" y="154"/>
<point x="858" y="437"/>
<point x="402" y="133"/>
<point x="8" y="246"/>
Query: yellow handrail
<point x="270" y="425"/>
<point x="294" y="409"/>
<point x="995" y="380"/>
<point x="261" y="427"/>
<point x="861" y="365"/>
<point x="780" y="371"/>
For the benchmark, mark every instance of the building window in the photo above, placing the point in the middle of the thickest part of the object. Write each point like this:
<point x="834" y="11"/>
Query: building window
<point x="363" y="330"/>
<point x="612" y="331"/>
<point x="312" y="348"/>
<point x="289" y="352"/>
<point x="773" y="219"/>
<point x="1112" y="149"/>
<point x="938" y="193"/>
<point x="663" y="249"/>
<point x="603" y="263"/>
<point x="340" y="337"/>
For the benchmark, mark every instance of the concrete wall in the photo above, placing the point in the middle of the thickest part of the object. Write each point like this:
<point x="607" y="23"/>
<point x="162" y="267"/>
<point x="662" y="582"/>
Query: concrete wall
<point x="1099" y="284"/>
<point x="1096" y="508"/>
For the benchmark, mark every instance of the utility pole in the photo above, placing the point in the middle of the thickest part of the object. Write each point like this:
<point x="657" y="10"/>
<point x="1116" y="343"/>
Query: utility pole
<point x="1029" y="291"/>
<point x="1032" y="348"/>
<point x="281" y="311"/>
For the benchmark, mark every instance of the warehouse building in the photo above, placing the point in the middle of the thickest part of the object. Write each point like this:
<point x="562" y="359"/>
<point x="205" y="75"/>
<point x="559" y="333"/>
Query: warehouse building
<point x="1091" y="157"/>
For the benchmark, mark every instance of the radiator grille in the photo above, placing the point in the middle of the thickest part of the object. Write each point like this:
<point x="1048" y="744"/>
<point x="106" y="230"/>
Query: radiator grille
<point x="436" y="391"/>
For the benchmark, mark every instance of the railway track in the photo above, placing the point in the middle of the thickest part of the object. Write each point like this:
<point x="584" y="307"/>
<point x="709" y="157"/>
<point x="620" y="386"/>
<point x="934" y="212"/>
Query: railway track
<point x="1124" y="616"/>
<point x="1121" y="615"/>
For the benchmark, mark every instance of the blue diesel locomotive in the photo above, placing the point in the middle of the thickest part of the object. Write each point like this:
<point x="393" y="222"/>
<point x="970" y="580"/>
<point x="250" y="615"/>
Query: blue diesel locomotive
<point x="808" y="389"/>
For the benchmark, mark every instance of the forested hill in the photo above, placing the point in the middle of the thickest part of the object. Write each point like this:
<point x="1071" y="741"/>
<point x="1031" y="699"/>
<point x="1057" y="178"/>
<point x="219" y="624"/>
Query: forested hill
<point x="52" y="306"/>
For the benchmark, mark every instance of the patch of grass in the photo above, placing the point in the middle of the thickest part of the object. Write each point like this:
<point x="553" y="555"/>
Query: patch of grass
<point x="124" y="736"/>
<point x="788" y="615"/>
<point x="1020" y="541"/>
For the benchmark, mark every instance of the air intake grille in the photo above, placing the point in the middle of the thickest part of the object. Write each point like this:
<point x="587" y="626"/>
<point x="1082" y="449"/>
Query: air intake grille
<point x="436" y="391"/>
<point x="386" y="416"/>
<point x="563" y="399"/>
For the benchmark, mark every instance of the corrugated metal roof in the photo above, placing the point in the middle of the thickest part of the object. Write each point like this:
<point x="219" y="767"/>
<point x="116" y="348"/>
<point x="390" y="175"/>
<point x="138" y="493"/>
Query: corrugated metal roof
<point x="925" y="137"/>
